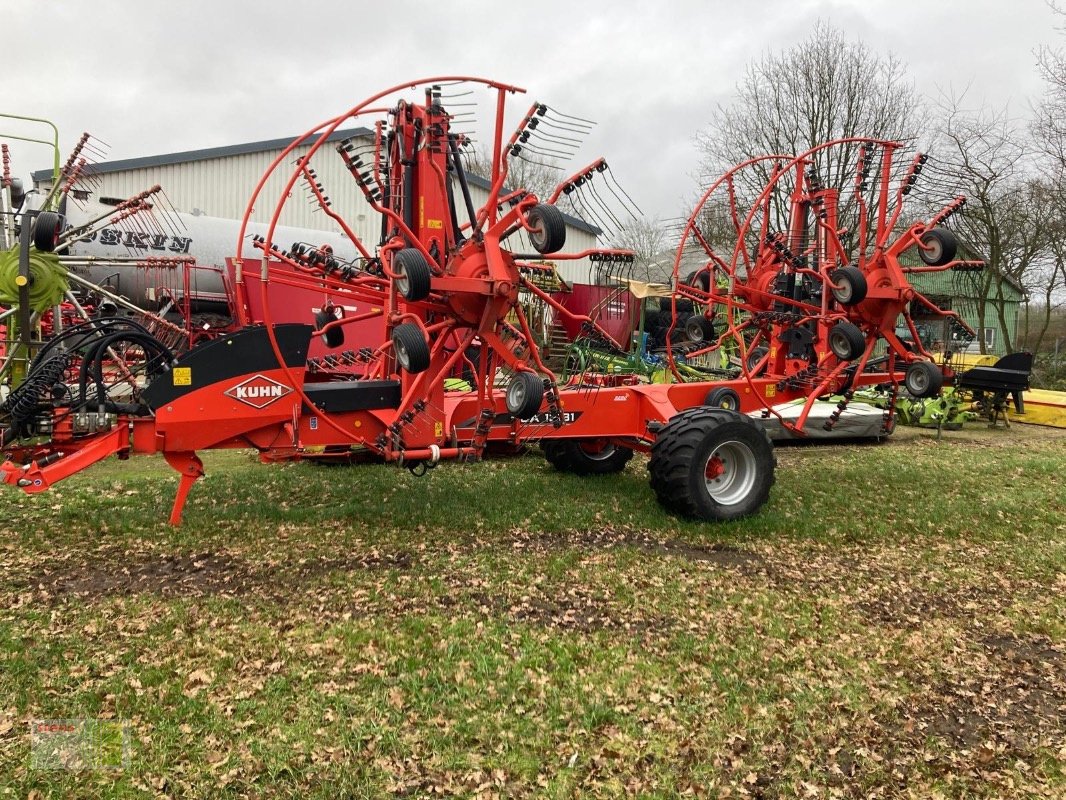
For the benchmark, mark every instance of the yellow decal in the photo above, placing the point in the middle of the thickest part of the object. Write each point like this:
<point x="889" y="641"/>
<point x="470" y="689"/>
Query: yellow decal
<point x="421" y="212"/>
<point x="182" y="376"/>
<point x="438" y="429"/>
<point x="435" y="223"/>
<point x="773" y="352"/>
<point x="770" y="390"/>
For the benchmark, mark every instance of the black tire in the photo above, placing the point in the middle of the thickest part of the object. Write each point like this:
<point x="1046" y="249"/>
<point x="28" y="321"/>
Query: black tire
<point x="699" y="329"/>
<point x="412" y="350"/>
<point x="547" y="231"/>
<point x="699" y="279"/>
<point x="939" y="247"/>
<point x="754" y="357"/>
<point x="703" y="439"/>
<point x="524" y="394"/>
<point x="849" y="285"/>
<point x="723" y="397"/>
<point x="413" y="274"/>
<point x="334" y="337"/>
<point x="923" y="379"/>
<point x="46" y="230"/>
<point x="666" y="305"/>
<point x="586" y="456"/>
<point x="846" y="340"/>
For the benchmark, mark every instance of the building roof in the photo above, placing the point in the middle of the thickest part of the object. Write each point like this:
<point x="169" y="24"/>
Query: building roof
<point x="187" y="156"/>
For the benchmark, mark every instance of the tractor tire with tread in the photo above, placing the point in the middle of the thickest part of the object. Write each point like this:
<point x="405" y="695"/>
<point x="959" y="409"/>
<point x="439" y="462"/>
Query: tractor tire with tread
<point x="414" y="274"/>
<point x="524" y="394"/>
<point x="847" y="341"/>
<point x="412" y="350"/>
<point x="687" y="448"/>
<point x="334" y="337"/>
<point x="582" y="458"/>
<point x="699" y="329"/>
<point x="548" y="228"/>
<point x="849" y="287"/>
<point x="46" y="229"/>
<point x="723" y="397"/>
<point x="923" y="379"/>
<point x="942" y="247"/>
<point x="755" y="355"/>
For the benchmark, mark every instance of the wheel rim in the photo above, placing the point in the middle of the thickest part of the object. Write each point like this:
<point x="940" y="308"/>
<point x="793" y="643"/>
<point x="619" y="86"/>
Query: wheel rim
<point x="918" y="381"/>
<point x="402" y="356"/>
<point x="838" y="343"/>
<point x="843" y="291"/>
<point x="516" y="396"/>
<point x="730" y="472"/>
<point x="537" y="237"/>
<point x="597" y="452"/>
<point x="934" y="251"/>
<point x="401" y="281"/>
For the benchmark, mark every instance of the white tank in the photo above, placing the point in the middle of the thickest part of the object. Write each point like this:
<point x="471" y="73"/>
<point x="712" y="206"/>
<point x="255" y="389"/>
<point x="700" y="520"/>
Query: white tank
<point x="209" y="240"/>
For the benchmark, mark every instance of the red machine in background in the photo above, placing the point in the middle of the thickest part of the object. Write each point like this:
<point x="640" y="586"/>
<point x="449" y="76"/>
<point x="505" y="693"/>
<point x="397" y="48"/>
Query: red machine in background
<point x="444" y="279"/>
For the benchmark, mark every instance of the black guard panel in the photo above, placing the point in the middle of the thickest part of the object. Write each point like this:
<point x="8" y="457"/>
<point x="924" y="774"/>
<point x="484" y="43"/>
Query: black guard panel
<point x="242" y="353"/>
<point x="342" y="396"/>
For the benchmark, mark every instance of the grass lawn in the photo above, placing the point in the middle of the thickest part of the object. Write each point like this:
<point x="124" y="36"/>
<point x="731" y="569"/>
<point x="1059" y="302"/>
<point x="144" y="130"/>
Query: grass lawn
<point x="893" y="624"/>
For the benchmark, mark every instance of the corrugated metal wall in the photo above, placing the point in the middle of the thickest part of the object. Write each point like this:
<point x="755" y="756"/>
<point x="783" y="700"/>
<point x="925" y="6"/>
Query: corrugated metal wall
<point x="221" y="187"/>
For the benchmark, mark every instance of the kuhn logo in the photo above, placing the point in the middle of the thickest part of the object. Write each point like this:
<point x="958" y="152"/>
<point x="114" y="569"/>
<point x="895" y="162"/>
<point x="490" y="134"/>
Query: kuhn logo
<point x="258" y="391"/>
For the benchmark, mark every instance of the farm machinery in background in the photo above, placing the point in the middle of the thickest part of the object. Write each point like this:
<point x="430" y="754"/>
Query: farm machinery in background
<point x="804" y="280"/>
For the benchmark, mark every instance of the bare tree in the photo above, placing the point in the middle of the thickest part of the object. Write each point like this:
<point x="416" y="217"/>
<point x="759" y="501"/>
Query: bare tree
<point x="1049" y="128"/>
<point x="650" y="241"/>
<point x="823" y="88"/>
<point x="539" y="177"/>
<point x="989" y="157"/>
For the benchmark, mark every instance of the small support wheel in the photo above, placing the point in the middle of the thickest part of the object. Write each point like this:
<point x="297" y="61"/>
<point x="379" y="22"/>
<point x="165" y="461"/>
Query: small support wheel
<point x="712" y="464"/>
<point x="586" y="456"/>
<point x="699" y="279"/>
<point x="846" y="340"/>
<point x="334" y="337"/>
<point x="413" y="274"/>
<point x="699" y="329"/>
<point x="524" y="395"/>
<point x="547" y="228"/>
<point x="412" y="350"/>
<point x="723" y="397"/>
<point x="923" y="379"/>
<point x="849" y="285"/>
<point x="46" y="230"/>
<point x="754" y="357"/>
<point x="939" y="247"/>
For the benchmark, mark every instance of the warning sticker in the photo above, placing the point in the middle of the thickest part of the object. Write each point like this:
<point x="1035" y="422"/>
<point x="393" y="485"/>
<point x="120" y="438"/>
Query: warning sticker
<point x="771" y="390"/>
<point x="182" y="376"/>
<point x="435" y="224"/>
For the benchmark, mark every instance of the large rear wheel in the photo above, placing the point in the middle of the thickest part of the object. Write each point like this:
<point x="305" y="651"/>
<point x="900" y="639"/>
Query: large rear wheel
<point x="712" y="464"/>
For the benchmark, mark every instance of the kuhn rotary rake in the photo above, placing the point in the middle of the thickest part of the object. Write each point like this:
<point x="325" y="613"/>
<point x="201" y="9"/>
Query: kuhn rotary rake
<point x="443" y="280"/>
<point x="807" y="280"/>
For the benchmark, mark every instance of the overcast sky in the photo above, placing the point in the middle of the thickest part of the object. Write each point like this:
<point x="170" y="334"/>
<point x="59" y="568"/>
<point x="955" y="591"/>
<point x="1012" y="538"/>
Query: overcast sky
<point x="151" y="78"/>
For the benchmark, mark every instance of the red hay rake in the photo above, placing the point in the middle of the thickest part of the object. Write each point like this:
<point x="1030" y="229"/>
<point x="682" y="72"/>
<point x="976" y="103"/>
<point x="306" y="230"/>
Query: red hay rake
<point x="805" y="299"/>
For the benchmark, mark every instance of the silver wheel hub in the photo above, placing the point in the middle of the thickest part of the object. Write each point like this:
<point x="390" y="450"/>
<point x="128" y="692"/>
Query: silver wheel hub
<point x="730" y="472"/>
